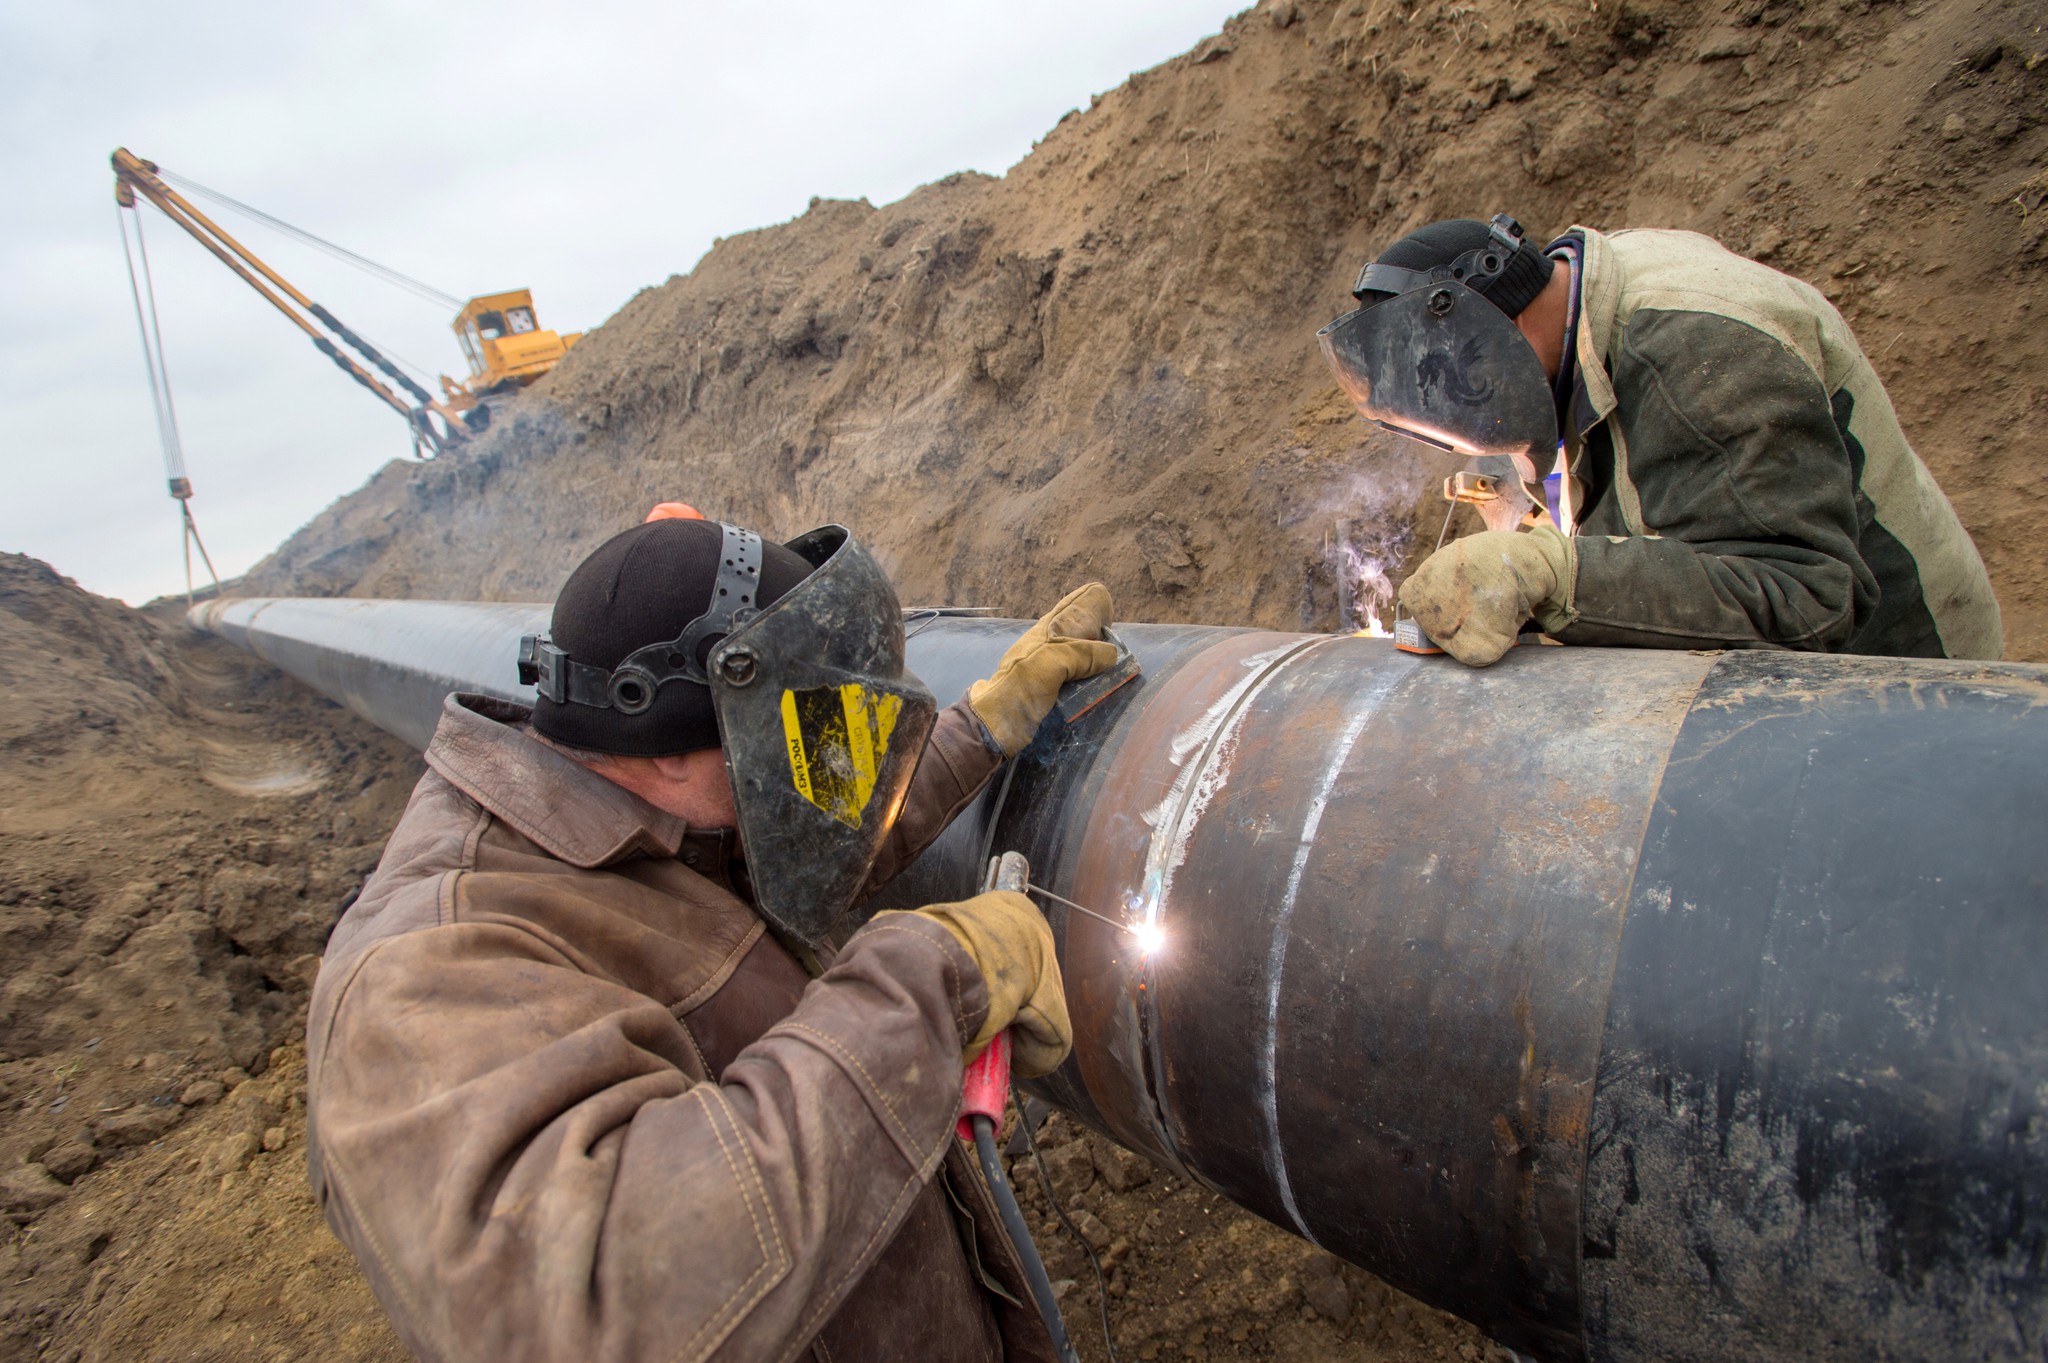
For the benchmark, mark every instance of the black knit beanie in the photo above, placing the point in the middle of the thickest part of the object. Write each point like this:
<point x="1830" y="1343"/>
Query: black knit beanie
<point x="1439" y="243"/>
<point x="638" y="588"/>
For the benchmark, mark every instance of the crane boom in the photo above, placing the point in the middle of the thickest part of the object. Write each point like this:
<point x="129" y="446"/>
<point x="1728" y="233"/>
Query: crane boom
<point x="133" y="176"/>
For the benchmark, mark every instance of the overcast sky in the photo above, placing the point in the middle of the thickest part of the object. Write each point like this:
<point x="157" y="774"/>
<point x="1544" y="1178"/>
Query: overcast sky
<point x="581" y="150"/>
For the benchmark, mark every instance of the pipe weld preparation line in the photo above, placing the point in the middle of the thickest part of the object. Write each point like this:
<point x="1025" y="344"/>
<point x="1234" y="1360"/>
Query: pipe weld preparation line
<point x="1212" y="739"/>
<point x="1368" y="702"/>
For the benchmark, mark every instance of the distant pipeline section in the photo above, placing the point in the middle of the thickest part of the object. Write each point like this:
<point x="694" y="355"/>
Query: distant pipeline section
<point x="1632" y="1005"/>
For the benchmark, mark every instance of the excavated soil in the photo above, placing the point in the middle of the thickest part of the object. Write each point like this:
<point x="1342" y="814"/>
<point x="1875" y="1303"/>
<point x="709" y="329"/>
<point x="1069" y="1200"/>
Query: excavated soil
<point x="1099" y="365"/>
<point x="179" y="828"/>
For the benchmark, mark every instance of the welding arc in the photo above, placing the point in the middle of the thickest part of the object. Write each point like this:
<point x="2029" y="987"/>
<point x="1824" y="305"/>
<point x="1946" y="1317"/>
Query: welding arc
<point x="1078" y="908"/>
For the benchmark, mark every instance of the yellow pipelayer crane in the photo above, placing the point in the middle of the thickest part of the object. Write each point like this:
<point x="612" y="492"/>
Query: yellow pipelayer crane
<point x="504" y="343"/>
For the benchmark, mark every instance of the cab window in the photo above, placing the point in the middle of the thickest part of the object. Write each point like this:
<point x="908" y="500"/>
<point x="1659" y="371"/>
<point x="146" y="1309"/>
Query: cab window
<point x="472" y="349"/>
<point x="519" y="320"/>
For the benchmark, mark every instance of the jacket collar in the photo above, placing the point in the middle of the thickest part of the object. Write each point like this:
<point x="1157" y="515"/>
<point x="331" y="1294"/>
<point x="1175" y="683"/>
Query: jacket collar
<point x="570" y="811"/>
<point x="1600" y="281"/>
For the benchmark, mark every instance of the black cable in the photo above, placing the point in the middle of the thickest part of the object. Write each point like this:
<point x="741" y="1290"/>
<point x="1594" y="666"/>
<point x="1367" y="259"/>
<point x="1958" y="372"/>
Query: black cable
<point x="1020" y="1236"/>
<point x="1094" y="1264"/>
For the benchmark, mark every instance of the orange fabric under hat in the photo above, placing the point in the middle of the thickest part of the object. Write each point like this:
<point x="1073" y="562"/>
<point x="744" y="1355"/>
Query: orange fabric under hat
<point x="674" y="511"/>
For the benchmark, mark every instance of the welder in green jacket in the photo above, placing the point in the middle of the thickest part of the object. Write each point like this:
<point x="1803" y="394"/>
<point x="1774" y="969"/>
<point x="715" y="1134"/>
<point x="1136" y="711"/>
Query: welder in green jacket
<point x="1706" y="456"/>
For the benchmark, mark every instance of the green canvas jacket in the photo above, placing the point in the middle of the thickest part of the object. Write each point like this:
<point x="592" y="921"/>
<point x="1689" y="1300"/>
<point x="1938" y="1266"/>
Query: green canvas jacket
<point x="1745" y="482"/>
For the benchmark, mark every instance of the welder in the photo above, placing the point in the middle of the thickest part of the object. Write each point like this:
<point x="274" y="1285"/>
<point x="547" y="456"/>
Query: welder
<point x="1693" y="450"/>
<point x="604" y="1062"/>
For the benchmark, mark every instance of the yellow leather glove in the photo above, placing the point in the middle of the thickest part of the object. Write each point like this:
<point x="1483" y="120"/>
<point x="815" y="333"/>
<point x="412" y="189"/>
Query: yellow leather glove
<point x="1472" y="595"/>
<point x="1011" y="942"/>
<point x="1064" y="646"/>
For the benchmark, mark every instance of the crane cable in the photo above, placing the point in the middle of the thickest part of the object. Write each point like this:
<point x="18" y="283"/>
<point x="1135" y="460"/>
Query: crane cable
<point x="160" y="395"/>
<point x="166" y="422"/>
<point x="385" y="273"/>
<point x="413" y="286"/>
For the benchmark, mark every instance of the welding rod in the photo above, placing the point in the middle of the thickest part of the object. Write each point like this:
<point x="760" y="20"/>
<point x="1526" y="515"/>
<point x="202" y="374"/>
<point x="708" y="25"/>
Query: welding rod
<point x="1078" y="908"/>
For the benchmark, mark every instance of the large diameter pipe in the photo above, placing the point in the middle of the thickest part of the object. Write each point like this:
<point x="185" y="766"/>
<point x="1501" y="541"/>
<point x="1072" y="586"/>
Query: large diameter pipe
<point x="391" y="662"/>
<point x="1633" y="1005"/>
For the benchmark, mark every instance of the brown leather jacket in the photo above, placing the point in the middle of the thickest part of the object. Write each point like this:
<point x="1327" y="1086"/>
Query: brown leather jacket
<point x="570" y="1101"/>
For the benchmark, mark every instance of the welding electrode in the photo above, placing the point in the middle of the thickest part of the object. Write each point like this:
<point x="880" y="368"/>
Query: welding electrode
<point x="983" y="1095"/>
<point x="1078" y="908"/>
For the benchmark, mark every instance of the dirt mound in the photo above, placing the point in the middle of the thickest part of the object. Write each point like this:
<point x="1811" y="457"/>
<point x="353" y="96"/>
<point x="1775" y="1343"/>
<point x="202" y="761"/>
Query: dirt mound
<point x="178" y="829"/>
<point x="1101" y="364"/>
<point x="51" y="632"/>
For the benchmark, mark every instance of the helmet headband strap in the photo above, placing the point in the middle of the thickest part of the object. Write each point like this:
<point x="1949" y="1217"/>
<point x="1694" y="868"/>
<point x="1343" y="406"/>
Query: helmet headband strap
<point x="1476" y="269"/>
<point x="631" y="686"/>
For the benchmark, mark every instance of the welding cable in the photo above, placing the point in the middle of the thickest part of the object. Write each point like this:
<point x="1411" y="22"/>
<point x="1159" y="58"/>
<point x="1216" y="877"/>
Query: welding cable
<point x="1020" y="1236"/>
<point x="1094" y="1264"/>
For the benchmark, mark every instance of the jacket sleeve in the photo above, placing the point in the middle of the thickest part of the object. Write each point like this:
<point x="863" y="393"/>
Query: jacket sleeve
<point x="1747" y="488"/>
<point x="956" y="765"/>
<point x="528" y="1164"/>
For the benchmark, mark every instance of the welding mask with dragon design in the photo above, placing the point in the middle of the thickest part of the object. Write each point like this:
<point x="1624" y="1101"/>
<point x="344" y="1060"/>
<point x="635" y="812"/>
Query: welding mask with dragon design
<point x="1438" y="363"/>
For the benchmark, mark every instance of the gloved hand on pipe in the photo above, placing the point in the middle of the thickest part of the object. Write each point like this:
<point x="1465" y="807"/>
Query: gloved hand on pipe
<point x="1472" y="595"/>
<point x="1066" y="645"/>
<point x="1012" y="944"/>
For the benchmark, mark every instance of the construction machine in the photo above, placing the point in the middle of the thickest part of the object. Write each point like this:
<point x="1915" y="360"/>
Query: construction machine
<point x="507" y="349"/>
<point x="501" y="338"/>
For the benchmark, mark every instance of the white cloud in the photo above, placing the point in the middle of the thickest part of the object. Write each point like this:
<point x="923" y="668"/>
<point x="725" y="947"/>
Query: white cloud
<point x="583" y="150"/>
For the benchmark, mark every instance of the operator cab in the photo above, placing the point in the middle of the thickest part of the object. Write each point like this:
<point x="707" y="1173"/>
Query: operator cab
<point x="502" y="339"/>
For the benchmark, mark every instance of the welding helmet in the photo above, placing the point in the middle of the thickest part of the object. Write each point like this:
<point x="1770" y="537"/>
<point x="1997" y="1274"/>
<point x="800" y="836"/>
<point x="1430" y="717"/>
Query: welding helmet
<point x="1430" y="355"/>
<point x="821" y="722"/>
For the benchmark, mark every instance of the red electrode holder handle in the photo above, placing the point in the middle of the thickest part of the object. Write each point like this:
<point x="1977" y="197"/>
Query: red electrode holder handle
<point x="987" y="1086"/>
<point x="985" y="1090"/>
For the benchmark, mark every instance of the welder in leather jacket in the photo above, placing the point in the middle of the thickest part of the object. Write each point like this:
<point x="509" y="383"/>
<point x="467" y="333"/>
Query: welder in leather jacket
<point x="604" y="1064"/>
<point x="1724" y="469"/>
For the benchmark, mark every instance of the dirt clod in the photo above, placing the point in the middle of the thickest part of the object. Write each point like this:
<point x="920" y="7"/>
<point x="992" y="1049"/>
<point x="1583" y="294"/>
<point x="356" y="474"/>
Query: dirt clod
<point x="69" y="1161"/>
<point x="202" y="1091"/>
<point x="1072" y="1169"/>
<point x="1119" y="1169"/>
<point x="138" y="1126"/>
<point x="29" y="1189"/>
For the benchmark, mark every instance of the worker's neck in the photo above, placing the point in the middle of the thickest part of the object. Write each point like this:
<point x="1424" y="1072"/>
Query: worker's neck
<point x="693" y="786"/>
<point x="1543" y="321"/>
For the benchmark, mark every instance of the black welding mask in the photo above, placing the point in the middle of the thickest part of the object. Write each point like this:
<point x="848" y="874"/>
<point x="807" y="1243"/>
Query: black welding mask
<point x="822" y="725"/>
<point x="1439" y="363"/>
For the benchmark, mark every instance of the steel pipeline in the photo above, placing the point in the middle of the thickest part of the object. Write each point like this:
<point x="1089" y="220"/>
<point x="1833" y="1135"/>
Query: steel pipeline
<point x="1632" y="1005"/>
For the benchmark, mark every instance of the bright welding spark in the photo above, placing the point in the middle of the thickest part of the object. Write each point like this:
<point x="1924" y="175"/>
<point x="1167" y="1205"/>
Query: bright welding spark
<point x="1373" y="628"/>
<point x="1149" y="937"/>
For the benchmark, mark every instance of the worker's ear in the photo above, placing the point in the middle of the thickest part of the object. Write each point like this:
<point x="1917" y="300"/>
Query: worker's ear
<point x="684" y="768"/>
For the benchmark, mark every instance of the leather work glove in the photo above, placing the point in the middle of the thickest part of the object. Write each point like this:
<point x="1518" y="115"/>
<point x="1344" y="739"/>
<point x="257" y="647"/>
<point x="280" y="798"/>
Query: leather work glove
<point x="1012" y="944"/>
<point x="1472" y="595"/>
<point x="1064" y="646"/>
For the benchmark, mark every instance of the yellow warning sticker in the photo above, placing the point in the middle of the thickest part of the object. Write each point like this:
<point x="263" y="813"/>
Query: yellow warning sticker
<point x="838" y="737"/>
